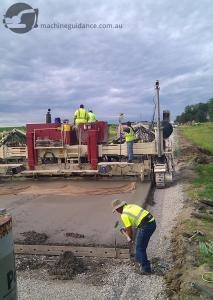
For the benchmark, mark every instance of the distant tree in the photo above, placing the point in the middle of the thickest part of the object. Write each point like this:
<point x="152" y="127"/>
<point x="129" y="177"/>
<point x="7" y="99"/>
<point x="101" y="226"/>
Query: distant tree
<point x="200" y="112"/>
<point x="210" y="109"/>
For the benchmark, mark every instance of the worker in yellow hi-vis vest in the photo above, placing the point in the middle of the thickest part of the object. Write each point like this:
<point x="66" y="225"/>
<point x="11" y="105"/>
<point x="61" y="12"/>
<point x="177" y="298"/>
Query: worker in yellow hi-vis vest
<point x="66" y="130"/>
<point x="129" y="138"/>
<point x="81" y="115"/>
<point x="92" y="117"/>
<point x="135" y="217"/>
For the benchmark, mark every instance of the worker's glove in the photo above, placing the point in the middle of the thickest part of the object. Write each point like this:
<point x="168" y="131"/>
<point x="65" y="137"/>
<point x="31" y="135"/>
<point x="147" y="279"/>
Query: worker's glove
<point x="123" y="231"/>
<point x="131" y="242"/>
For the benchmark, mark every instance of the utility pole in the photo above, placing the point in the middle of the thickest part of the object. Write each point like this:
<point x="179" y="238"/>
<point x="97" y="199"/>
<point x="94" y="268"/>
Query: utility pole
<point x="159" y="141"/>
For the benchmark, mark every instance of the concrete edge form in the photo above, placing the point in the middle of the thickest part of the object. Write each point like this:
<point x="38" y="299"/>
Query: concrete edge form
<point x="78" y="251"/>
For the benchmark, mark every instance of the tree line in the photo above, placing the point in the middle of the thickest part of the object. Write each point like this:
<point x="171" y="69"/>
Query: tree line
<point x="201" y="112"/>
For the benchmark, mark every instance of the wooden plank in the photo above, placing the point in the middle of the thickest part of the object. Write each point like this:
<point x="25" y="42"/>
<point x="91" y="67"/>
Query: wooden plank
<point x="78" y="251"/>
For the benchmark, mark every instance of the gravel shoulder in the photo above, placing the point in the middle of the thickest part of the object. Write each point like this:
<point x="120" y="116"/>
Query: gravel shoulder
<point x="112" y="280"/>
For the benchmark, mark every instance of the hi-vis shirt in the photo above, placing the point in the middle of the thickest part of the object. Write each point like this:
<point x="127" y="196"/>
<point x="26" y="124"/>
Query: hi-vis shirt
<point x="129" y="137"/>
<point x="91" y="117"/>
<point x="81" y="116"/>
<point x="133" y="214"/>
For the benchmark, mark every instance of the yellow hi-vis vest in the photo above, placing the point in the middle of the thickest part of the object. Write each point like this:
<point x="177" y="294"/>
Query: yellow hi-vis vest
<point x="129" y="137"/>
<point x="81" y="116"/>
<point x="133" y="214"/>
<point x="91" y="117"/>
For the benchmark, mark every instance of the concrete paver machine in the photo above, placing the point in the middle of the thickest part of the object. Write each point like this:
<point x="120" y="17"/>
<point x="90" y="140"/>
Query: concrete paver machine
<point x="56" y="149"/>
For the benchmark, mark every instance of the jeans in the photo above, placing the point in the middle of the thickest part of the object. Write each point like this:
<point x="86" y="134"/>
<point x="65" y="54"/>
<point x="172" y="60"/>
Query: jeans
<point x="142" y="240"/>
<point x="130" y="150"/>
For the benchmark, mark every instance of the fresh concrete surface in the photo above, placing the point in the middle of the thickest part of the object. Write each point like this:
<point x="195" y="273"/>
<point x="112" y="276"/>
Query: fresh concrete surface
<point x="57" y="207"/>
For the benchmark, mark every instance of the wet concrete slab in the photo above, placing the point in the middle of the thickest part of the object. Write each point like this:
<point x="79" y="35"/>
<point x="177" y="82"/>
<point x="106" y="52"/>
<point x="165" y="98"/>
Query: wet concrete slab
<point x="70" y="212"/>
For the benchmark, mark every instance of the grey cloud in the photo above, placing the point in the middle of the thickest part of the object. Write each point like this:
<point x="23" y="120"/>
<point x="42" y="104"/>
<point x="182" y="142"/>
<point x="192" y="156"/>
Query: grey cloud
<point x="110" y="71"/>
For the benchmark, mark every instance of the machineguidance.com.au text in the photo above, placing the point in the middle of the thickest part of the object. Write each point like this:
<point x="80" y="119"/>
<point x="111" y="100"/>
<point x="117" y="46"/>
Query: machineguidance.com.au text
<point x="56" y="25"/>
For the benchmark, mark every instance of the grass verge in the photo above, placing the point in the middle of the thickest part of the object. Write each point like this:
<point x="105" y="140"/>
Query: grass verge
<point x="200" y="135"/>
<point x="193" y="236"/>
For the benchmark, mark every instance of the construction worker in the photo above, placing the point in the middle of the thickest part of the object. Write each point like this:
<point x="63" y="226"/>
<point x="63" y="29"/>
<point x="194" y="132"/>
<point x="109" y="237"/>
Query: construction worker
<point x="80" y="115"/>
<point x="91" y="117"/>
<point x="66" y="130"/>
<point x="129" y="138"/>
<point x="133" y="216"/>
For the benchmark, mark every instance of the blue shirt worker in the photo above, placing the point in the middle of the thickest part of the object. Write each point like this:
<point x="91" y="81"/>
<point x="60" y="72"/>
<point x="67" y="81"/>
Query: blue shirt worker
<point x="91" y="117"/>
<point x="129" y="138"/>
<point x="134" y="216"/>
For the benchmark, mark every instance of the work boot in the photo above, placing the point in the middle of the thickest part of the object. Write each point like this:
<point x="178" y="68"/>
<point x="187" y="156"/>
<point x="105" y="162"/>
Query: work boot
<point x="146" y="273"/>
<point x="142" y="272"/>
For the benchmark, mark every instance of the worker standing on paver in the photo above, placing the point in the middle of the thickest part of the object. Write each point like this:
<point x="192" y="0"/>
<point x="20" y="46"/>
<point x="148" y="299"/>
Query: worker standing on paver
<point x="80" y="115"/>
<point x="129" y="138"/>
<point x="134" y="216"/>
<point x="91" y="117"/>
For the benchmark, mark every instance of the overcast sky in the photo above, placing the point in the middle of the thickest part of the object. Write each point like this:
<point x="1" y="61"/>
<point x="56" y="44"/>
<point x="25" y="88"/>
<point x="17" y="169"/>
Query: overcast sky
<point x="108" y="70"/>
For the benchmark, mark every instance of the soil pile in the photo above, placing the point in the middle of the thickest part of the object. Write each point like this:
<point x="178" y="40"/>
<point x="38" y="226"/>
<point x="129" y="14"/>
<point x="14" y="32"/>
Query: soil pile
<point x="196" y="154"/>
<point x="34" y="238"/>
<point x="75" y="235"/>
<point x="67" y="266"/>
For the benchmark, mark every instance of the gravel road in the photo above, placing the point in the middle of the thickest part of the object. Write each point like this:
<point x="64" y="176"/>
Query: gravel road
<point x="119" y="281"/>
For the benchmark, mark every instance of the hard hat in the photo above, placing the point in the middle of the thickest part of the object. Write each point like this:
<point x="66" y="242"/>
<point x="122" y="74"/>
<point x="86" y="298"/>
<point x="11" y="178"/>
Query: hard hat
<point x="117" y="204"/>
<point x="126" y="130"/>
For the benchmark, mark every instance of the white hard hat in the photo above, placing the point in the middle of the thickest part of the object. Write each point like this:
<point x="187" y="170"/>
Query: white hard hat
<point x="117" y="203"/>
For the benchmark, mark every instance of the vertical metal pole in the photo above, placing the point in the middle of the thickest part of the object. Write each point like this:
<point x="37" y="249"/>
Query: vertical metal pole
<point x="79" y="143"/>
<point x="157" y="87"/>
<point x="120" y="119"/>
<point x="120" y="140"/>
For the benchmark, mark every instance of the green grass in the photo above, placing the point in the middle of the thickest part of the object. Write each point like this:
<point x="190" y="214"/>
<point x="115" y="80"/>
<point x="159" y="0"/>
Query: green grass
<point x="204" y="181"/>
<point x="205" y="254"/>
<point x="2" y="129"/>
<point x="112" y="130"/>
<point x="202" y="187"/>
<point x="200" y="135"/>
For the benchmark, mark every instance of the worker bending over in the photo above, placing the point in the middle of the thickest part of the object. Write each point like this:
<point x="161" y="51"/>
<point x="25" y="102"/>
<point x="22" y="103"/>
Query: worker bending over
<point x="134" y="216"/>
<point x="80" y="115"/>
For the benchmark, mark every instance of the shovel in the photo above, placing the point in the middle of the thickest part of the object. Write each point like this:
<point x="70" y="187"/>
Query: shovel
<point x="115" y="242"/>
